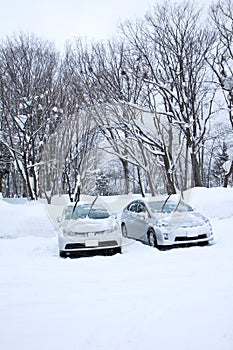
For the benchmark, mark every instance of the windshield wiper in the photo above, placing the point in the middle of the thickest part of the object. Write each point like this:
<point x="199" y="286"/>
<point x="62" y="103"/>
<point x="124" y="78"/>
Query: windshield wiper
<point x="165" y="203"/>
<point x="178" y="203"/>
<point x="92" y="205"/>
<point x="76" y="202"/>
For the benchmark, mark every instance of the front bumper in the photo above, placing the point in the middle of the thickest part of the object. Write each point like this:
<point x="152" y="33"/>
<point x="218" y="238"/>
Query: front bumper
<point x="185" y="235"/>
<point x="72" y="244"/>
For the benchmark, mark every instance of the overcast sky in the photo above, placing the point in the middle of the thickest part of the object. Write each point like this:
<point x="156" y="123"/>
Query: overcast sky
<point x="59" y="20"/>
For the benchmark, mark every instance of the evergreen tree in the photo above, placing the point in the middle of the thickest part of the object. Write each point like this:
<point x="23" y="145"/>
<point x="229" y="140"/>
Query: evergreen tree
<point x="5" y="161"/>
<point x="218" y="170"/>
<point x="102" y="184"/>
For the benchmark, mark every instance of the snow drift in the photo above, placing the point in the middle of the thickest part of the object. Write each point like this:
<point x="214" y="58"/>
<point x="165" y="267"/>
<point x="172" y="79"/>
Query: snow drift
<point x="142" y="299"/>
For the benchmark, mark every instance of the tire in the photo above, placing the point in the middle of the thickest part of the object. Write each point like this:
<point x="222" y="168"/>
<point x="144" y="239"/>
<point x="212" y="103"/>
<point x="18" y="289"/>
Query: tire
<point x="152" y="240"/>
<point x="110" y="251"/>
<point x="204" y="244"/>
<point x="62" y="254"/>
<point x="117" y="250"/>
<point x="124" y="231"/>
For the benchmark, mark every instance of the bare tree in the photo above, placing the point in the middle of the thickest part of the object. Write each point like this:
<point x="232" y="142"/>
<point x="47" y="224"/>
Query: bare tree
<point x="109" y="77"/>
<point x="140" y="138"/>
<point x="221" y="61"/>
<point x="172" y="46"/>
<point x="66" y="157"/>
<point x="97" y="72"/>
<point x="28" y="68"/>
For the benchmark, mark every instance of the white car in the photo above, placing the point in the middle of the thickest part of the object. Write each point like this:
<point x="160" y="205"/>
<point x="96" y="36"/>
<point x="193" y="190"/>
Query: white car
<point x="86" y="228"/>
<point x="165" y="223"/>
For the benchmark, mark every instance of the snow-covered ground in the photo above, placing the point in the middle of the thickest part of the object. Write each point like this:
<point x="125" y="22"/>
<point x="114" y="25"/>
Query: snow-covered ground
<point x="142" y="299"/>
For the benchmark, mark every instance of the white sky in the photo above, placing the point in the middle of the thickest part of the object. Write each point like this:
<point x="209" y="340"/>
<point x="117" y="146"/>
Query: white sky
<point x="59" y="20"/>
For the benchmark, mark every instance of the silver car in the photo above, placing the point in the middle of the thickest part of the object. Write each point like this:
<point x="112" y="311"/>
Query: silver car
<point x="86" y="228"/>
<point x="165" y="223"/>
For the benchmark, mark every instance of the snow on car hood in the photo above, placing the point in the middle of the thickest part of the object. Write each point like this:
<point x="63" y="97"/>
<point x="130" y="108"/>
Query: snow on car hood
<point x="90" y="225"/>
<point x="182" y="219"/>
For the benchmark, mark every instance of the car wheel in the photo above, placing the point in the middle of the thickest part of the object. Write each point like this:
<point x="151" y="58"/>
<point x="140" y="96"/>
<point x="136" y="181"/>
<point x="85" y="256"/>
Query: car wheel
<point x="152" y="238"/>
<point x="124" y="230"/>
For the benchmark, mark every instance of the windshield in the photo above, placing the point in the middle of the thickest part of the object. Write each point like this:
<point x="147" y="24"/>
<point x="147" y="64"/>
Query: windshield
<point x="86" y="210"/>
<point x="159" y="206"/>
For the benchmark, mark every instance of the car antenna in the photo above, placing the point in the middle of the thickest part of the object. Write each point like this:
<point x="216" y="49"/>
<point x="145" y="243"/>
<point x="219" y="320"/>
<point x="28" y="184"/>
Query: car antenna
<point x="92" y="204"/>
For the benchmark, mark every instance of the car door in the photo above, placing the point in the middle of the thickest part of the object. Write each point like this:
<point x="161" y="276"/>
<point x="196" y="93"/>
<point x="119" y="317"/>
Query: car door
<point x="131" y="214"/>
<point x="140" y="222"/>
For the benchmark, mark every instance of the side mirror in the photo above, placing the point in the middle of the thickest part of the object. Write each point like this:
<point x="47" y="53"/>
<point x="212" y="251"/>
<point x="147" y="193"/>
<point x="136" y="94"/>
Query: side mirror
<point x="59" y="219"/>
<point x="114" y="215"/>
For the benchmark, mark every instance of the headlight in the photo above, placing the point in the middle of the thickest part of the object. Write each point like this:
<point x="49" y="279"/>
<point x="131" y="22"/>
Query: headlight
<point x="67" y="232"/>
<point x="162" y="223"/>
<point x="115" y="227"/>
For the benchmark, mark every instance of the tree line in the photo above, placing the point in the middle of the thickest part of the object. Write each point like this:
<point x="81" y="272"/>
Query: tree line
<point x="148" y="111"/>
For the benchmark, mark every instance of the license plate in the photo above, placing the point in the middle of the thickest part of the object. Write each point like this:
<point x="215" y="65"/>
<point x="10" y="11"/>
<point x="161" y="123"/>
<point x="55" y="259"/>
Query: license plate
<point x="91" y="243"/>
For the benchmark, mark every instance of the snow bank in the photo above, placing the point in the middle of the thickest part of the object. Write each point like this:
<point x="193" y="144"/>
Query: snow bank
<point x="212" y="202"/>
<point x="21" y="218"/>
<point x="142" y="299"/>
<point x="18" y="220"/>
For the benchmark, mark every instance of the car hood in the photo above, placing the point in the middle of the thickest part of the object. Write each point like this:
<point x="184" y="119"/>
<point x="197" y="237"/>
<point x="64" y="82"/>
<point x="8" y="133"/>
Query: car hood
<point x="89" y="225"/>
<point x="183" y="219"/>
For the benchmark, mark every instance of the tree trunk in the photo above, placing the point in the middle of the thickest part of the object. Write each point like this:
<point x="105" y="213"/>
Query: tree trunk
<point x="67" y="181"/>
<point x="170" y="185"/>
<point x="125" y="164"/>
<point x="150" y="183"/>
<point x="35" y="182"/>
<point x="196" y="171"/>
<point x="209" y="165"/>
<point x="186" y="167"/>
<point x="140" y="182"/>
<point x="77" y="194"/>
<point x="77" y="190"/>
<point x="148" y="173"/>
<point x="0" y="182"/>
<point x="226" y="178"/>
<point x="27" y="177"/>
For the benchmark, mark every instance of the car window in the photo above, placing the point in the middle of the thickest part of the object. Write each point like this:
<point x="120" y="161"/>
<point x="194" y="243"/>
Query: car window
<point x="179" y="207"/>
<point x="67" y="213"/>
<point x="156" y="206"/>
<point x="133" y="207"/>
<point x="183" y="207"/>
<point x="141" y="208"/>
<point x="86" y="210"/>
<point x="168" y="207"/>
<point x="98" y="213"/>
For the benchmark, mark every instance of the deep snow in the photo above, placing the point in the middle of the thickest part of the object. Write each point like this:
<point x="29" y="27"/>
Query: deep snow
<point x="142" y="299"/>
